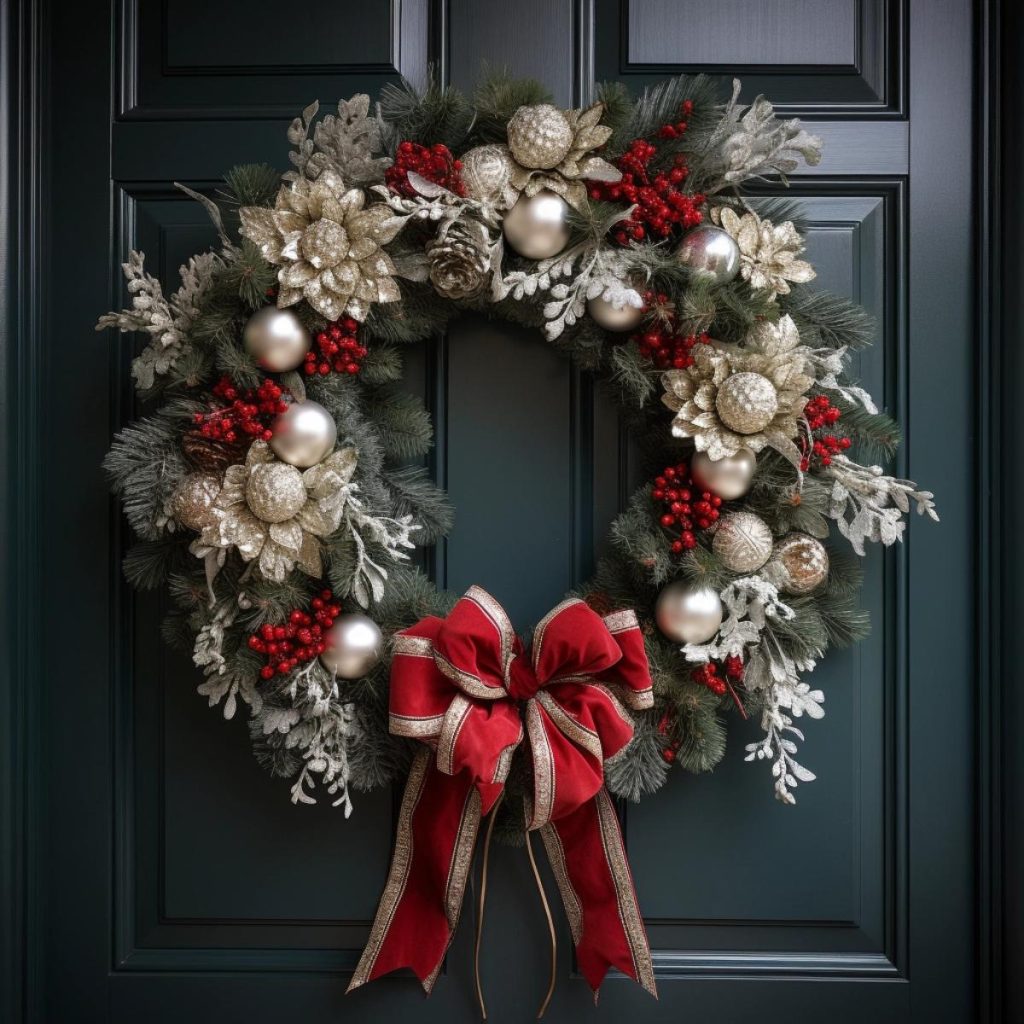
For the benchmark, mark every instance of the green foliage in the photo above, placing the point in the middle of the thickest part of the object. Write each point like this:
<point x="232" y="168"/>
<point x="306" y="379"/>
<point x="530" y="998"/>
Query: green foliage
<point x="438" y="114"/>
<point x="497" y="98"/>
<point x="414" y="493"/>
<point x="828" y="320"/>
<point x="402" y="422"/>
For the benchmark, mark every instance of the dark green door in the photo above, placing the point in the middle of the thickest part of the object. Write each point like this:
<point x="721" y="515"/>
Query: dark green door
<point x="172" y="880"/>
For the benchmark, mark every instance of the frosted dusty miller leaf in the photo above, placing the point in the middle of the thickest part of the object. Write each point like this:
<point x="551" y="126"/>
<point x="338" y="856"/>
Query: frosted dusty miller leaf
<point x="867" y="505"/>
<point x="168" y="322"/>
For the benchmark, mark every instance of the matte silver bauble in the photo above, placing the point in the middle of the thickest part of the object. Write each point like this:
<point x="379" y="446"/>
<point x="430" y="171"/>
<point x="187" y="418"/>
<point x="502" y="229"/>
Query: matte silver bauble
<point x="799" y="564"/>
<point x="747" y="402"/>
<point x="743" y="542"/>
<point x="193" y="500"/>
<point x="539" y="136"/>
<point x="486" y="172"/>
<point x="304" y="434"/>
<point x="275" y="491"/>
<point x="729" y="477"/>
<point x="276" y="339"/>
<point x="627" y="318"/>
<point x="537" y="227"/>
<point x="688" y="614"/>
<point x="354" y="646"/>
<point x="710" y="252"/>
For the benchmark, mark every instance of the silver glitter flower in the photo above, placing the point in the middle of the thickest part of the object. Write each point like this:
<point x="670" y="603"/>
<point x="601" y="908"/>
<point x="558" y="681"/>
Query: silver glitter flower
<point x="275" y="512"/>
<point x="328" y="245"/>
<point x="749" y="396"/>
<point x="768" y="252"/>
<point x="548" y="149"/>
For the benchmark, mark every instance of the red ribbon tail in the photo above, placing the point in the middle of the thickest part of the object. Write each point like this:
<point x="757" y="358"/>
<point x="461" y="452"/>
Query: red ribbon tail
<point x="419" y="909"/>
<point x="589" y="863"/>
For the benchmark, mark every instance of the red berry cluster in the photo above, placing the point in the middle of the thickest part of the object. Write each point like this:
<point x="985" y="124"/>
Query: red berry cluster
<point x="718" y="678"/>
<point x="301" y="639"/>
<point x="248" y="414"/>
<point x="821" y="414"/>
<point x="660" y="202"/>
<point x="337" y="348"/>
<point x="663" y="343"/>
<point x="435" y="163"/>
<point x="666" y="729"/>
<point x="686" y="508"/>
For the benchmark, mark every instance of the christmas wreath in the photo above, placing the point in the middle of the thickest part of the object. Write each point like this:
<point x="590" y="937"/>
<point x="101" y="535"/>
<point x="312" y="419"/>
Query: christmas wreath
<point x="275" y="489"/>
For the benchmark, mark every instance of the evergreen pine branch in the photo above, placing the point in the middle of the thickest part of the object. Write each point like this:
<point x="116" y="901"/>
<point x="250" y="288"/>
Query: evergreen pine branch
<point x="414" y="493"/>
<point x="402" y="422"/>
<point x="148" y="564"/>
<point x="437" y="114"/>
<point x="828" y="320"/>
<point x="497" y="98"/>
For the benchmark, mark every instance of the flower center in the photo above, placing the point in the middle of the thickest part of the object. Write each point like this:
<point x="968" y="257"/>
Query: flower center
<point x="324" y="243"/>
<point x="275" y="492"/>
<point x="747" y="402"/>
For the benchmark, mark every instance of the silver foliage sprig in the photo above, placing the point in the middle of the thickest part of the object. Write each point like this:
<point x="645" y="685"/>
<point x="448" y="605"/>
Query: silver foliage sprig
<point x="167" y="321"/>
<point x="349" y="143"/>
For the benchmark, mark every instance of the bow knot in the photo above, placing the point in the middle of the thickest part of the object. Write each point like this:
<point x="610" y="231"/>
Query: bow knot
<point x="464" y="687"/>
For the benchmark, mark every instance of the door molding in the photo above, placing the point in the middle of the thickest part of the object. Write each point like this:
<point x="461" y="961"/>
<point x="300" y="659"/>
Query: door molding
<point x="22" y="81"/>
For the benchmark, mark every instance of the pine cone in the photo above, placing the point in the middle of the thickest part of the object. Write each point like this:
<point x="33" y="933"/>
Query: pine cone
<point x="209" y="455"/>
<point x="459" y="261"/>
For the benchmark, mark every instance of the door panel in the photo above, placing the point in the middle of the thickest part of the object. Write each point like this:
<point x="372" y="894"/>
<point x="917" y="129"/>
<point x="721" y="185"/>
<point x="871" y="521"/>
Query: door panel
<point x="179" y="879"/>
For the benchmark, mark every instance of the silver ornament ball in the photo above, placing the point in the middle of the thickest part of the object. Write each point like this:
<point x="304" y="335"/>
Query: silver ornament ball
<point x="304" y="434"/>
<point x="626" y="318"/>
<point x="729" y="477"/>
<point x="747" y="402"/>
<point x="743" y="542"/>
<point x="192" y="501"/>
<point x="711" y="253"/>
<point x="799" y="564"/>
<point x="276" y="339"/>
<point x="354" y="645"/>
<point x="486" y="171"/>
<point x="539" y="136"/>
<point x="274" y="491"/>
<point x="537" y="227"/>
<point x="688" y="614"/>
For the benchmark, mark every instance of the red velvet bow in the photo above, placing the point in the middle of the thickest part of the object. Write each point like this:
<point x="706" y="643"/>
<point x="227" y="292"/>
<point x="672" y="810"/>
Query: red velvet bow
<point x="463" y="685"/>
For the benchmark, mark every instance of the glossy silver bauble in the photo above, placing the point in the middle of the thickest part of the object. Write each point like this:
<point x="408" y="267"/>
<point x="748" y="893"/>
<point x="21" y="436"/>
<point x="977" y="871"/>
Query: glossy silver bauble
<point x="276" y="339"/>
<point x="729" y="477"/>
<point x="710" y="253"/>
<point x="304" y="434"/>
<point x="688" y="614"/>
<point x="537" y="227"/>
<point x="355" y="645"/>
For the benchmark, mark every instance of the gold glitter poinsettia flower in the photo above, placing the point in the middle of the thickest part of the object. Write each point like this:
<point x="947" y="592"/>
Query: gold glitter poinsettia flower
<point x="750" y="396"/>
<point x="272" y="511"/>
<point x="768" y="252"/>
<point x="548" y="148"/>
<point x="327" y="243"/>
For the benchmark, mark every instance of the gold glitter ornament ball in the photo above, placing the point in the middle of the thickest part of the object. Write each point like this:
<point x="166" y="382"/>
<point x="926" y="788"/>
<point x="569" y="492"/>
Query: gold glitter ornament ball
<point x="486" y="171"/>
<point x="275" y="491"/>
<point x="626" y="318"/>
<point x="688" y="614"/>
<point x="192" y="502"/>
<point x="276" y="339"/>
<point x="743" y="542"/>
<point x="747" y="402"/>
<point x="799" y="564"/>
<point x="540" y="136"/>
<point x="537" y="227"/>
<point x="353" y="646"/>
<point x="728" y="477"/>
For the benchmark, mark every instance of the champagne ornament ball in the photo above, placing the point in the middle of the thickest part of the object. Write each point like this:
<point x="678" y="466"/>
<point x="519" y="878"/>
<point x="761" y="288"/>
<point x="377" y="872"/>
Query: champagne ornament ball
<point x="304" y="434"/>
<point x="625" y="318"/>
<point x="710" y="253"/>
<point x="747" y="402"/>
<point x="537" y="227"/>
<point x="275" y="492"/>
<point x="729" y="477"/>
<point x="539" y="136"/>
<point x="193" y="499"/>
<point x="799" y="564"/>
<point x="276" y="339"/>
<point x="743" y="542"/>
<point x="354" y="645"/>
<point x="688" y="614"/>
